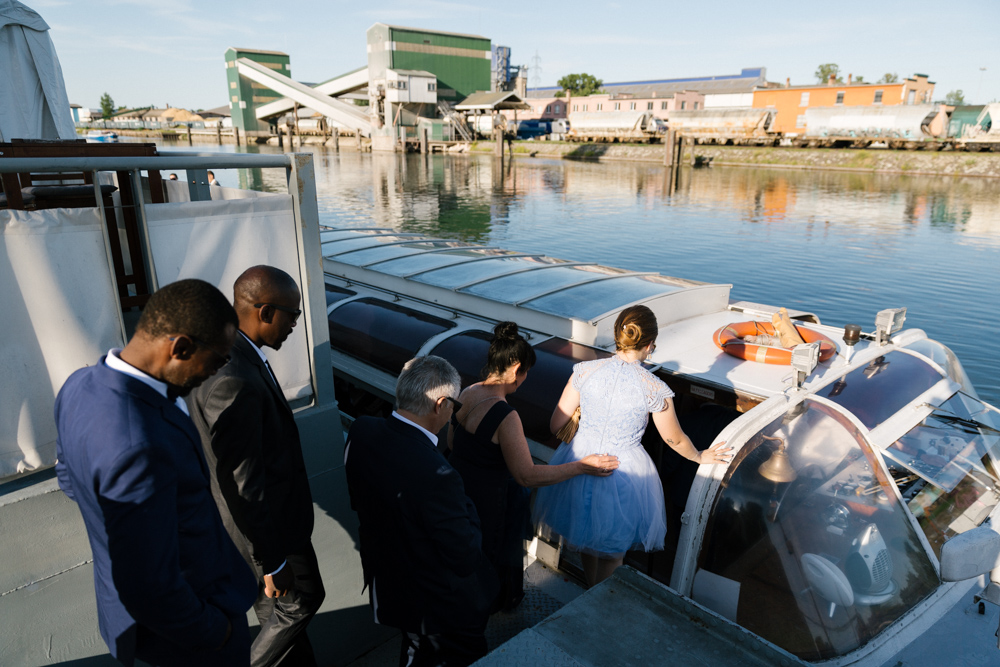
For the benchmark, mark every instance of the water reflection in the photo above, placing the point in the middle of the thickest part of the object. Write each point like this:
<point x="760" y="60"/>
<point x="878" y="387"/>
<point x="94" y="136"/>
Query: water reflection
<point x="841" y="244"/>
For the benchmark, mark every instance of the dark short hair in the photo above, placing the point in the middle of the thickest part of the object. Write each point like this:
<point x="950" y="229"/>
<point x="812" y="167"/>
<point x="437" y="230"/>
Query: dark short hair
<point x="191" y="306"/>
<point x="507" y="348"/>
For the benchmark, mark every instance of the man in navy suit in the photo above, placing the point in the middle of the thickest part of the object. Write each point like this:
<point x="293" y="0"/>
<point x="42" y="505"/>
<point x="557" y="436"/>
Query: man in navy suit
<point x="421" y="545"/>
<point x="171" y="587"/>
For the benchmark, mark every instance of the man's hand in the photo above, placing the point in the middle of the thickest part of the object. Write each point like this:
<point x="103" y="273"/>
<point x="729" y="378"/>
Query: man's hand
<point x="280" y="584"/>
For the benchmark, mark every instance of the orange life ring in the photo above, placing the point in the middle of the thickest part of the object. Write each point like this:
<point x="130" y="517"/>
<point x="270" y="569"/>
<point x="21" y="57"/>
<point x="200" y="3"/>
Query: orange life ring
<point x="729" y="339"/>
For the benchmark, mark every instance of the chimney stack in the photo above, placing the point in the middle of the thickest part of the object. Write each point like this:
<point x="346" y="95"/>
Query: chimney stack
<point x="832" y="80"/>
<point x="788" y="82"/>
<point x="849" y="77"/>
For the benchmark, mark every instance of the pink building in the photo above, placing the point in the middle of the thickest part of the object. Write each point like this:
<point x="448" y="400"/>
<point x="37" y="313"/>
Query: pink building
<point x="552" y="108"/>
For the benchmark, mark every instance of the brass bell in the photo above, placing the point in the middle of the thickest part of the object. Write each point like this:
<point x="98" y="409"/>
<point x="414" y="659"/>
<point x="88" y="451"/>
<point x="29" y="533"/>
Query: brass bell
<point x="778" y="468"/>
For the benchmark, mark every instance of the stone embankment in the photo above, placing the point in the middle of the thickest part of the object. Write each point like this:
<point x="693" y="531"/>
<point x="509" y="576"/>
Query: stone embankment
<point x="951" y="163"/>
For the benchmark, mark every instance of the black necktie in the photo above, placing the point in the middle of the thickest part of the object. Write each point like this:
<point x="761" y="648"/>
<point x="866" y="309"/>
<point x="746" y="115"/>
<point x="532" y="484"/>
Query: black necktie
<point x="270" y="372"/>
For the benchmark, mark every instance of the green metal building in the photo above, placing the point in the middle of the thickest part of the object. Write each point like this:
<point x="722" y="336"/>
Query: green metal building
<point x="461" y="63"/>
<point x="246" y="95"/>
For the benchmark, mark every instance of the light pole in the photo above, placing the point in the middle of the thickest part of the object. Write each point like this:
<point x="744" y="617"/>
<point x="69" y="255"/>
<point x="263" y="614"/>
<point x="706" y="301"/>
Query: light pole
<point x="982" y="70"/>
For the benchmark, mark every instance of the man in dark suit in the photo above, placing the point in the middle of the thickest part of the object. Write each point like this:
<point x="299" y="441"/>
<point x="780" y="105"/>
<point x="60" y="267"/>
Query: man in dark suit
<point x="171" y="587"/>
<point x="259" y="478"/>
<point x="421" y="546"/>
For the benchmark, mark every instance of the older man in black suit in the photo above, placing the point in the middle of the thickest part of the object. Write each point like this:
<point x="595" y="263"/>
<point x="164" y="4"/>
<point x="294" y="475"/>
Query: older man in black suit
<point x="420" y="537"/>
<point x="258" y="474"/>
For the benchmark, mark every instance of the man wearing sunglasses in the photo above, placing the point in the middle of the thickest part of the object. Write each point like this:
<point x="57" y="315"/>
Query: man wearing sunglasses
<point x="171" y="588"/>
<point x="258" y="474"/>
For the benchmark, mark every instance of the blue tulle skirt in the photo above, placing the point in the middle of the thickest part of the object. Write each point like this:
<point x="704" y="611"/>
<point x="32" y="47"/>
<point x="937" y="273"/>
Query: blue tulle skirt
<point x="605" y="516"/>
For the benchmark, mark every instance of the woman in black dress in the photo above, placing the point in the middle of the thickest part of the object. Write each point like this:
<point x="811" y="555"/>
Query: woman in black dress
<point x="492" y="455"/>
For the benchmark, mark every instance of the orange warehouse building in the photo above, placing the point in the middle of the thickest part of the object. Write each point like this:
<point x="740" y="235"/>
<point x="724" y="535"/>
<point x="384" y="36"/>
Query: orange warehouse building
<point x="791" y="102"/>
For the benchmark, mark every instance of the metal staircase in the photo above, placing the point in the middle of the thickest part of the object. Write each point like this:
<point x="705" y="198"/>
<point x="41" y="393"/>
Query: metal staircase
<point x="457" y="120"/>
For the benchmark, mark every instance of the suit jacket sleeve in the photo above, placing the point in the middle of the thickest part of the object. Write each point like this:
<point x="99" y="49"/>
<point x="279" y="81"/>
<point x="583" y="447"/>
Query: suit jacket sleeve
<point x="138" y="497"/>
<point x="452" y="523"/>
<point x="232" y="409"/>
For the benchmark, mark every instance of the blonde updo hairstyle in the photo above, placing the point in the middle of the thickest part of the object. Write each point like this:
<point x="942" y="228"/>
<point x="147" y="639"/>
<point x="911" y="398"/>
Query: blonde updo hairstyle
<point x="635" y="328"/>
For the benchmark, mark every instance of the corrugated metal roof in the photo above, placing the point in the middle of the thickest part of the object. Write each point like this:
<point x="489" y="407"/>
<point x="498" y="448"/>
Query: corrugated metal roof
<point x="430" y="32"/>
<point x="744" y="82"/>
<point x="492" y="101"/>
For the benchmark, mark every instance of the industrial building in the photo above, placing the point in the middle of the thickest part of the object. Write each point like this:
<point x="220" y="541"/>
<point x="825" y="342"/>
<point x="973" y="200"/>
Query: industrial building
<point x="246" y="95"/>
<point x="790" y="102"/>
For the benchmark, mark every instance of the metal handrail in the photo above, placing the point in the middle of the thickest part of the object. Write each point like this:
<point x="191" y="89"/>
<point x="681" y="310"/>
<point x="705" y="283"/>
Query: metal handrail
<point x="162" y="162"/>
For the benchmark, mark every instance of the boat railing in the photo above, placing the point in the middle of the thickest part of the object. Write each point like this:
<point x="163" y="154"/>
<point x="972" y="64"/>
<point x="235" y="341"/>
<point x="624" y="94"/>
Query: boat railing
<point x="71" y="306"/>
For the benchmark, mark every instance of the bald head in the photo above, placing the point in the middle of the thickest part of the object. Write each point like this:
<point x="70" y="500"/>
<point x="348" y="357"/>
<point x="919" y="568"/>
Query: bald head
<point x="267" y="302"/>
<point x="262" y="283"/>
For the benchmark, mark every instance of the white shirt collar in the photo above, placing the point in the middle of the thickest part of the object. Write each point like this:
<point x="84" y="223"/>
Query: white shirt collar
<point x="433" y="438"/>
<point x="115" y="363"/>
<point x="256" y="349"/>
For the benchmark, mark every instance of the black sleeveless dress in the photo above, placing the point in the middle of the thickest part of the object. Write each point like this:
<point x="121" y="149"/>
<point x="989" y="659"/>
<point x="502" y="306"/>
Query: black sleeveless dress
<point x="502" y="504"/>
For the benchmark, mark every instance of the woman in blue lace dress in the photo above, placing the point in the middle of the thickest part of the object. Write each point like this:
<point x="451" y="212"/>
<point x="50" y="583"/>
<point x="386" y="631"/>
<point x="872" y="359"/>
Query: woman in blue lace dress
<point x="603" y="517"/>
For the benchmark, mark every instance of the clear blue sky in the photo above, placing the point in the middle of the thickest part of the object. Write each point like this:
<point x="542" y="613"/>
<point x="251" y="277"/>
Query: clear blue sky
<point x="156" y="52"/>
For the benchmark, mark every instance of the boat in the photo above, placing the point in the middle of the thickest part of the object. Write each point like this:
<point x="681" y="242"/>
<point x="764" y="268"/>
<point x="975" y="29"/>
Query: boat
<point x="858" y="507"/>
<point x="856" y="512"/>
<point x="102" y="136"/>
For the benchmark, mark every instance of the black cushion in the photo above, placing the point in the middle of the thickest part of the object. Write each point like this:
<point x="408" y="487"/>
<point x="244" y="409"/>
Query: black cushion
<point x="26" y="198"/>
<point x="60" y="191"/>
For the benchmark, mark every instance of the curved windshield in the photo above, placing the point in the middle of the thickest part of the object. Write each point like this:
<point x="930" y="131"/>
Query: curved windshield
<point x="945" y="468"/>
<point x="807" y="544"/>
<point x="878" y="390"/>
<point x="944" y="358"/>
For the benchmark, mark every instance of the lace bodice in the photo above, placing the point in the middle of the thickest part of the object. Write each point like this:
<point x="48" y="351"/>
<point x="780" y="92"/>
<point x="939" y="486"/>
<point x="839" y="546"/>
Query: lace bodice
<point x="616" y="398"/>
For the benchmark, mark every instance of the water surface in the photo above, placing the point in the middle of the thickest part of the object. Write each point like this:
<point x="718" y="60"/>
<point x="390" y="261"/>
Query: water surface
<point x="842" y="245"/>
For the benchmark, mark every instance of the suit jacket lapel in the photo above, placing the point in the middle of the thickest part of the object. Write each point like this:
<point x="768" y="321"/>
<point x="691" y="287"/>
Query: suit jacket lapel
<point x="168" y="408"/>
<point x="246" y="349"/>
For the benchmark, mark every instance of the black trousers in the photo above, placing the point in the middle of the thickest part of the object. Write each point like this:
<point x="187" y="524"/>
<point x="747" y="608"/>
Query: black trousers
<point x="283" y="639"/>
<point x="445" y="649"/>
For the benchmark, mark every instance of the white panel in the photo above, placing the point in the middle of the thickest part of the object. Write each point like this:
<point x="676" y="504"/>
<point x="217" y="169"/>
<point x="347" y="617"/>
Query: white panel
<point x="218" y="240"/>
<point x="60" y="312"/>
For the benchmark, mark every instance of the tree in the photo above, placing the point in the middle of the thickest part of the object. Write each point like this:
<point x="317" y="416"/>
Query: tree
<point x="955" y="98"/>
<point x="889" y="78"/>
<point x="826" y="70"/>
<point x="859" y="79"/>
<point x="107" y="106"/>
<point x="580" y="84"/>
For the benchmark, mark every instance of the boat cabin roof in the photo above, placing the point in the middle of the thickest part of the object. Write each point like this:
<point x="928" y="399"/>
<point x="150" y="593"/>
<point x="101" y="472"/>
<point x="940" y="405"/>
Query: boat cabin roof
<point x="578" y="301"/>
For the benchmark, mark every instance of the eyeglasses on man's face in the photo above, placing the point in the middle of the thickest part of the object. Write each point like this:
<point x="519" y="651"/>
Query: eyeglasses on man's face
<point x="220" y="359"/>
<point x="457" y="405"/>
<point x="294" y="312"/>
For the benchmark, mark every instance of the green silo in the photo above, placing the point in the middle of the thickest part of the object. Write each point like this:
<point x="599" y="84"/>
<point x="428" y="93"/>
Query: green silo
<point x="461" y="63"/>
<point x="246" y="95"/>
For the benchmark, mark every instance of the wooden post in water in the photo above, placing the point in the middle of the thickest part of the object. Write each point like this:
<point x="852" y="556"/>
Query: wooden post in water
<point x="669" y="148"/>
<point x="336" y="139"/>
<point x="357" y="135"/>
<point x="218" y="132"/>
<point x="291" y="137"/>
<point x="498" y="147"/>
<point x="189" y="133"/>
<point x="236" y="134"/>
<point x="423" y="141"/>
<point x="691" y="143"/>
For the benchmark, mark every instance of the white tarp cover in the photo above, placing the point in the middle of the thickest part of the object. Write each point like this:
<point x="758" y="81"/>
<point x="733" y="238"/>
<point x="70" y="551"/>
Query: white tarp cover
<point x="896" y="119"/>
<point x="60" y="311"/>
<point x="218" y="240"/>
<point x="608" y="120"/>
<point x="33" y="101"/>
